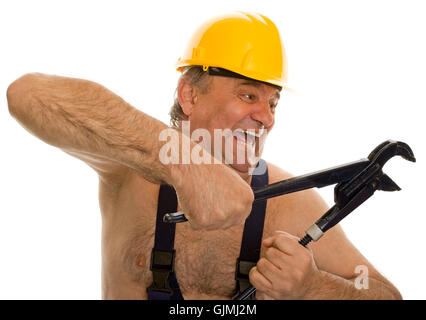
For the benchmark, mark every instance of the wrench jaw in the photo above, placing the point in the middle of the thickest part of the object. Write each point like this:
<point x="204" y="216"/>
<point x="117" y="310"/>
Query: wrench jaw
<point x="344" y="192"/>
<point x="385" y="183"/>
<point x="390" y="148"/>
<point x="349" y="195"/>
<point x="405" y="151"/>
<point x="379" y="148"/>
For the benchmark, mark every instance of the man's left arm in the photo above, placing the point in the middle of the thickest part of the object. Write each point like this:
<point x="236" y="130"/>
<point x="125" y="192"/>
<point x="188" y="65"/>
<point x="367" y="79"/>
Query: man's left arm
<point x="331" y="268"/>
<point x="289" y="271"/>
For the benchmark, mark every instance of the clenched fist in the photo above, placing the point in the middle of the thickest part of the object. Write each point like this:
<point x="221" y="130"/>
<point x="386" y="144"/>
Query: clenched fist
<point x="213" y="196"/>
<point x="287" y="270"/>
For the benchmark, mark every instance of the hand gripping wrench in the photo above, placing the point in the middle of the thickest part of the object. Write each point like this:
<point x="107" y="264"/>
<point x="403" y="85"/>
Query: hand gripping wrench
<point x="348" y="195"/>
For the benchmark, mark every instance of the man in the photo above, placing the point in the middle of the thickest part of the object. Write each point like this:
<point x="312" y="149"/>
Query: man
<point x="234" y="68"/>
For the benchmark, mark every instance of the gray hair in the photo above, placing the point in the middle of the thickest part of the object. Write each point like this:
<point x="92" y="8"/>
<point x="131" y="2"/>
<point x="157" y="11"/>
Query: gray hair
<point x="196" y="76"/>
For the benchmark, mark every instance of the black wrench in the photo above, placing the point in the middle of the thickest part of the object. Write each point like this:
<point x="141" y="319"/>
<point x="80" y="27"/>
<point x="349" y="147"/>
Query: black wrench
<point x="316" y="179"/>
<point x="351" y="194"/>
<point x="321" y="178"/>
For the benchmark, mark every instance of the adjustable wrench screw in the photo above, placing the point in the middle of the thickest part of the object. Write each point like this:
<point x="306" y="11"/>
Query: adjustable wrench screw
<point x="305" y="240"/>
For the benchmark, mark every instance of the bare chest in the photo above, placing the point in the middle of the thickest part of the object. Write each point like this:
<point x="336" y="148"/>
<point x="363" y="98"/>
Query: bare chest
<point x="204" y="263"/>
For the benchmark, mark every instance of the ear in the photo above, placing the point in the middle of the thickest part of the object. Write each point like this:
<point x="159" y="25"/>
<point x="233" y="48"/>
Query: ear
<point x="187" y="96"/>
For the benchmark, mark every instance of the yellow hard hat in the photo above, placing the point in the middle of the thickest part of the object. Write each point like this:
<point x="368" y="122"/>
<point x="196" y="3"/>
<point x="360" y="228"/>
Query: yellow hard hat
<point x="246" y="44"/>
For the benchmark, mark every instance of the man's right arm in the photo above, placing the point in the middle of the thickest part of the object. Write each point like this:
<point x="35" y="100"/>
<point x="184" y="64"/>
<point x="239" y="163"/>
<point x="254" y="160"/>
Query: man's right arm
<point x="92" y="123"/>
<point x="89" y="122"/>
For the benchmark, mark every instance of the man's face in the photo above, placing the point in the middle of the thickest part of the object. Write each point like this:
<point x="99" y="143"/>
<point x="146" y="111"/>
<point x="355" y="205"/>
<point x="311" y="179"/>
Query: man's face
<point x="234" y="104"/>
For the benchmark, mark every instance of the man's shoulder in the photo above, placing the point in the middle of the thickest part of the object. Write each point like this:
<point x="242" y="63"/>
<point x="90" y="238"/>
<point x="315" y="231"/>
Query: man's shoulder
<point x="292" y="212"/>
<point x="276" y="173"/>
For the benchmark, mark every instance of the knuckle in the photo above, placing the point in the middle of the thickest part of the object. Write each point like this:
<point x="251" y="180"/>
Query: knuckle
<point x="250" y="196"/>
<point x="252" y="271"/>
<point x="203" y="222"/>
<point x="245" y="207"/>
<point x="253" y="275"/>
<point x="286" y="236"/>
<point x="221" y="218"/>
<point x="280" y="238"/>
<point x="269" y="252"/>
<point x="246" y="196"/>
<point x="282" y="234"/>
<point x="262" y="263"/>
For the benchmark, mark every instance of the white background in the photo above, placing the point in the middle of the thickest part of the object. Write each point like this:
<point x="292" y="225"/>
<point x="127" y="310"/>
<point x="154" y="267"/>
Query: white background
<point x="359" y="70"/>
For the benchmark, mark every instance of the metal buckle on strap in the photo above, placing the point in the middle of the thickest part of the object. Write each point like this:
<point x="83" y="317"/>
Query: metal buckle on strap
<point x="162" y="264"/>
<point x="243" y="269"/>
<point x="162" y="260"/>
<point x="242" y="276"/>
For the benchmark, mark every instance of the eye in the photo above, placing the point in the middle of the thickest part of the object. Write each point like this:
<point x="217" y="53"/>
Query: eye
<point x="248" y="97"/>
<point x="273" y="106"/>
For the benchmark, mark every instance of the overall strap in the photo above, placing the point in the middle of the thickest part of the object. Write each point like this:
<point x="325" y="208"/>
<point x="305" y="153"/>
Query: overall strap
<point x="164" y="285"/>
<point x="253" y="231"/>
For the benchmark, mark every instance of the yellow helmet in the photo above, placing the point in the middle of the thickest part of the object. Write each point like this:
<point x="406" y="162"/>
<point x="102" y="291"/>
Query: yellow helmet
<point x="247" y="44"/>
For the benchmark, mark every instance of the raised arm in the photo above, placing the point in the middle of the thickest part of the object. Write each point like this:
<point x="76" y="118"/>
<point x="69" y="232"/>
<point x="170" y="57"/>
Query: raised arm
<point x="92" y="123"/>
<point x="89" y="122"/>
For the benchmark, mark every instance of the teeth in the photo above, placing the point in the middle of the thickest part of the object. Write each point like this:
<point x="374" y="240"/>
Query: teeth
<point x="251" y="132"/>
<point x="249" y="135"/>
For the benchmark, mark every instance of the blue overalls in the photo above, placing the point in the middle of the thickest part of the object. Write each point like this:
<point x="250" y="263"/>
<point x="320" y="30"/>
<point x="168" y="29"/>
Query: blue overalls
<point x="165" y="285"/>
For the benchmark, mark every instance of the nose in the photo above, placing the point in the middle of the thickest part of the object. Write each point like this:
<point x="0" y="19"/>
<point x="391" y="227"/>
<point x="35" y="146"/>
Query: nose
<point x="262" y="113"/>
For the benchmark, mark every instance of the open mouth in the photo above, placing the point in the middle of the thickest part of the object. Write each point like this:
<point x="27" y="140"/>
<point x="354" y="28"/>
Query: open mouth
<point x="248" y="137"/>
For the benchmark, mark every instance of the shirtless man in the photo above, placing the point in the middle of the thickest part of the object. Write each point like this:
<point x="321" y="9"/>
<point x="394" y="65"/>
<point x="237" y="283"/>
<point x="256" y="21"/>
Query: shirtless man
<point x="122" y="145"/>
